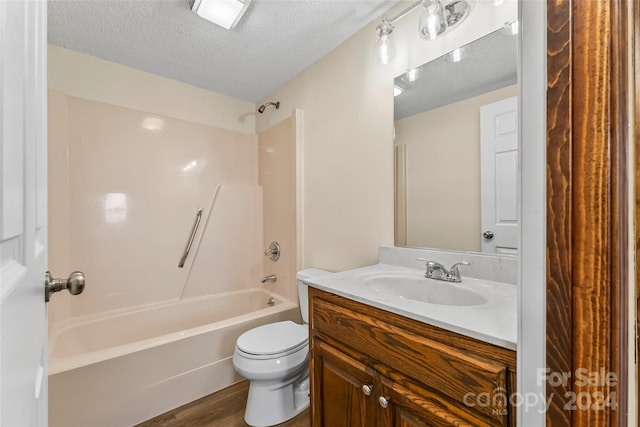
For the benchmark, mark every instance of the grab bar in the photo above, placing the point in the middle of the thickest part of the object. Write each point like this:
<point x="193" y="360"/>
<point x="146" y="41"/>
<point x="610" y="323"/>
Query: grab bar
<point x="190" y="242"/>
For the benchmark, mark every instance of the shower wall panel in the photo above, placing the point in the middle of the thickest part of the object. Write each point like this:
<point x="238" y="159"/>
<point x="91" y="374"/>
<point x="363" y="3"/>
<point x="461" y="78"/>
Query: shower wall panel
<point x="231" y="235"/>
<point x="131" y="184"/>
<point x="277" y="177"/>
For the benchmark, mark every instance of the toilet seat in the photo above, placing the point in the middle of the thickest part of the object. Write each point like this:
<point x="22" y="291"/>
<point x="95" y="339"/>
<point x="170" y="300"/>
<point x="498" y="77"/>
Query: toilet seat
<point x="273" y="340"/>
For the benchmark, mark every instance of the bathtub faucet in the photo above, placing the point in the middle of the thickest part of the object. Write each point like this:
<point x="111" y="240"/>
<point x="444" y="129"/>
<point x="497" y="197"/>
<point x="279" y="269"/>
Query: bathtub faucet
<point x="269" y="278"/>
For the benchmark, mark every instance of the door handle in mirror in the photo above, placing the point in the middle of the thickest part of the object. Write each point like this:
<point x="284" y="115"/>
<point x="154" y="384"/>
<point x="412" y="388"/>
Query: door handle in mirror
<point x="488" y="235"/>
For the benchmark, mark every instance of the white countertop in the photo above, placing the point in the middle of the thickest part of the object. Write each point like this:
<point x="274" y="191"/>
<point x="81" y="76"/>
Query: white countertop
<point x="494" y="322"/>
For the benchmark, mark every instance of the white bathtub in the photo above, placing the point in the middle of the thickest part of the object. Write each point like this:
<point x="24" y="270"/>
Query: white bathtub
<point x="131" y="365"/>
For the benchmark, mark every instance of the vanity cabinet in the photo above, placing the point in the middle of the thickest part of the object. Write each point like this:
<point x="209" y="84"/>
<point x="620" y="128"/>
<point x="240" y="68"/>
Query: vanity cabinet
<point x="373" y="368"/>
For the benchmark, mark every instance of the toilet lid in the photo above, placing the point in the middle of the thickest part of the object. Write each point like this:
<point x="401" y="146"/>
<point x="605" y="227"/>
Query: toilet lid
<point x="274" y="338"/>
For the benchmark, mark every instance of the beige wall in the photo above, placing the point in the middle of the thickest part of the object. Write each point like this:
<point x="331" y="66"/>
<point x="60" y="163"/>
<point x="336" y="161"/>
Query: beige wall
<point x="348" y="132"/>
<point x="87" y="77"/>
<point x="443" y="173"/>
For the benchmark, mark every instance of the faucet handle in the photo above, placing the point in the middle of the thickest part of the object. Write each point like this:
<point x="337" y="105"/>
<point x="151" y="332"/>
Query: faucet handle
<point x="454" y="267"/>
<point x="431" y="264"/>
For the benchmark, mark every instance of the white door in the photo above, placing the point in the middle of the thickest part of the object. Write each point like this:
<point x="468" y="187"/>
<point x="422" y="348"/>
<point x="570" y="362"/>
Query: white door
<point x="23" y="231"/>
<point x="499" y="176"/>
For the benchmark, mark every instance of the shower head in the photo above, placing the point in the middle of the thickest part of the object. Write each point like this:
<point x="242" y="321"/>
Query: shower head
<point x="264" y="106"/>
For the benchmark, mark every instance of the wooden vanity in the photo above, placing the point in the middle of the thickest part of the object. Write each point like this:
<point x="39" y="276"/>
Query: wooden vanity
<point x="373" y="368"/>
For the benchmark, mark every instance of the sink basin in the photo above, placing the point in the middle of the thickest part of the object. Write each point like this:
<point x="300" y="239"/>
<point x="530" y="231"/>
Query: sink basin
<point x="416" y="288"/>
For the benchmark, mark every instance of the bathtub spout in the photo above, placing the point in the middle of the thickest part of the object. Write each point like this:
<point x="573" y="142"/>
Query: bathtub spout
<point x="269" y="278"/>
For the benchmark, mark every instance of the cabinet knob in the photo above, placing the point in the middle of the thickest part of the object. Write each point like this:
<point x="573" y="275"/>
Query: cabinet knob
<point x="367" y="389"/>
<point x="384" y="401"/>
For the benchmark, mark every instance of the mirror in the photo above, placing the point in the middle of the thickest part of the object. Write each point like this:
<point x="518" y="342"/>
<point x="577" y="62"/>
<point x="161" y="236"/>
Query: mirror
<point x="441" y="188"/>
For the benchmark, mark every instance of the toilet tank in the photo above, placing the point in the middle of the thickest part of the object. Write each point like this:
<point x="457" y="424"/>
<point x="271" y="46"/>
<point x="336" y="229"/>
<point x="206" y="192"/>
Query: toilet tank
<point x="303" y="290"/>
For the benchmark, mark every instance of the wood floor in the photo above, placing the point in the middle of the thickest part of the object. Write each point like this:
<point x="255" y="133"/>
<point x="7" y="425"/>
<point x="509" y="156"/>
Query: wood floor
<point x="222" y="409"/>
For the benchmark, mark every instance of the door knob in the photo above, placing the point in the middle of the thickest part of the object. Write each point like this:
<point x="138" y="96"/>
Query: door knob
<point x="75" y="284"/>
<point x="488" y="235"/>
<point x="367" y="389"/>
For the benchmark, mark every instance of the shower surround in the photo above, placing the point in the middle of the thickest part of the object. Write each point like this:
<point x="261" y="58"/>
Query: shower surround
<point x="134" y="184"/>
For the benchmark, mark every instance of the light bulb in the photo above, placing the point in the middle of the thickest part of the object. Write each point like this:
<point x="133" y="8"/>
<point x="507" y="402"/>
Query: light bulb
<point x="413" y="74"/>
<point x="383" y="49"/>
<point x="432" y="22"/>
<point x="457" y="55"/>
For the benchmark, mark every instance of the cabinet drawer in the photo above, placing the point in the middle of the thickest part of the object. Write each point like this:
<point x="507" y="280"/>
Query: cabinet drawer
<point x="451" y="372"/>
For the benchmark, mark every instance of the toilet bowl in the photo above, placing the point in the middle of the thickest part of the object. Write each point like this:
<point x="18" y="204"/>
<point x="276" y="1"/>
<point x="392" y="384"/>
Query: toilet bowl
<point x="275" y="359"/>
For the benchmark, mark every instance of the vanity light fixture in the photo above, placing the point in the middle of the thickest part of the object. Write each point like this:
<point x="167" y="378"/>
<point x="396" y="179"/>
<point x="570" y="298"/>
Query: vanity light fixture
<point x="225" y="13"/>
<point x="436" y="18"/>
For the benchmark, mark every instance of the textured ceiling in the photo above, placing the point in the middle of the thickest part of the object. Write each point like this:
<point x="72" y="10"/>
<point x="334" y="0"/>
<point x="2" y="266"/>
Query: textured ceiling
<point x="490" y="64"/>
<point x="274" y="41"/>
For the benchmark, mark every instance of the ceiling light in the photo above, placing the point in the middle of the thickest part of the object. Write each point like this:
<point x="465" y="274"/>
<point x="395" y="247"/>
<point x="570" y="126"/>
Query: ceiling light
<point x="225" y="13"/>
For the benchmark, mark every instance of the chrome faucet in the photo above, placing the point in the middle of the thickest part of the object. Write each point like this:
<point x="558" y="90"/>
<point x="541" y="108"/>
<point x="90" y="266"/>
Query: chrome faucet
<point x="437" y="271"/>
<point x="269" y="278"/>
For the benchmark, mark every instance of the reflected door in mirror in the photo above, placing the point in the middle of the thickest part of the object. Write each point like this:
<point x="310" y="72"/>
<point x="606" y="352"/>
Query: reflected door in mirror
<point x="499" y="175"/>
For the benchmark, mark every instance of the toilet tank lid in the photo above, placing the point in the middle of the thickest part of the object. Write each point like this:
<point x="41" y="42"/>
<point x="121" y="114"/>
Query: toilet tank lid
<point x="308" y="273"/>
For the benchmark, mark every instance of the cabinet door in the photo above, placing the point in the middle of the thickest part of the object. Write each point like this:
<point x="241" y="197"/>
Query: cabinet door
<point x="342" y="389"/>
<point x="401" y="407"/>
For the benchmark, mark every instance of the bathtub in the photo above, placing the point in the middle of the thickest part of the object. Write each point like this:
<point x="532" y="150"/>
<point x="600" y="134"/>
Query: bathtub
<point x="124" y="367"/>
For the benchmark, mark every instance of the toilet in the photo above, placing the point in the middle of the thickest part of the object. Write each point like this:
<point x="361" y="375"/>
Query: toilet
<point x="275" y="359"/>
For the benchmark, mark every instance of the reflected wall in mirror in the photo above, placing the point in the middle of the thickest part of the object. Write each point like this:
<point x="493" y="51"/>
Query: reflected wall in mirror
<point x="445" y="157"/>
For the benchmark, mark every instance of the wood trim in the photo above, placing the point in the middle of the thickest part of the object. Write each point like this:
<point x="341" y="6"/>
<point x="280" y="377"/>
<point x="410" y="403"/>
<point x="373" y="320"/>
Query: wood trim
<point x="635" y="90"/>
<point x="587" y="249"/>
<point x="592" y="199"/>
<point x="619" y="121"/>
<point x="559" y="255"/>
